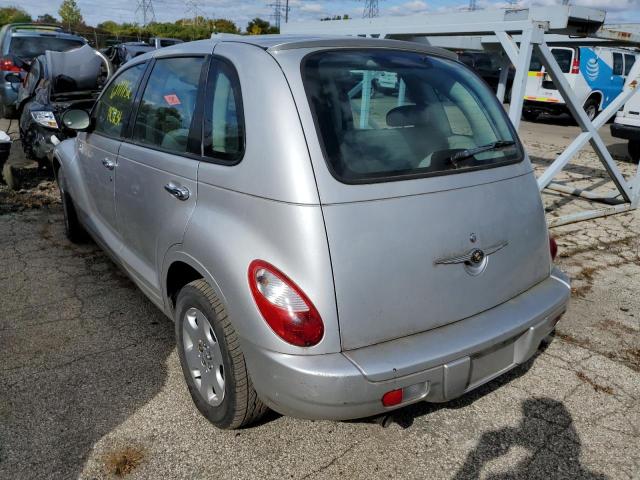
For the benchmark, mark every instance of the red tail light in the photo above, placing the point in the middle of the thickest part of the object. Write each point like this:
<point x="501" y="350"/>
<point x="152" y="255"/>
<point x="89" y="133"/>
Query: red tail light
<point x="284" y="306"/>
<point x="553" y="247"/>
<point x="575" y="65"/>
<point x="7" y="65"/>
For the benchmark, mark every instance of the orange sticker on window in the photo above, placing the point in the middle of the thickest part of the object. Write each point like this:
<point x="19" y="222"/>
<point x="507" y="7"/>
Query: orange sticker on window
<point x="172" y="99"/>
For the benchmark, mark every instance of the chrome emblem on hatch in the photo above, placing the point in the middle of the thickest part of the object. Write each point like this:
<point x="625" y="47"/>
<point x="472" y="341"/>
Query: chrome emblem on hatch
<point x="474" y="256"/>
<point x="477" y="256"/>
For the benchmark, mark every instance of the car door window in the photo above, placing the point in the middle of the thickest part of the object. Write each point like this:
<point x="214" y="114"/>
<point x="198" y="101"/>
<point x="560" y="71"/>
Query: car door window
<point x="617" y="64"/>
<point x="629" y="60"/>
<point x="224" y="124"/>
<point x="112" y="109"/>
<point x="168" y="104"/>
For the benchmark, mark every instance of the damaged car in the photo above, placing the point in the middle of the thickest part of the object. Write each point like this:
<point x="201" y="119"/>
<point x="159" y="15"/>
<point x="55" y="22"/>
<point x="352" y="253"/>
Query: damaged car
<point x="56" y="82"/>
<point x="121" y="53"/>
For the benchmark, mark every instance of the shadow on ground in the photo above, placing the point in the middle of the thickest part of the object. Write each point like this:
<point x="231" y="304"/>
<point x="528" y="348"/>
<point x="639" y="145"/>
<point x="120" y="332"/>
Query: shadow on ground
<point x="550" y="440"/>
<point x="81" y="349"/>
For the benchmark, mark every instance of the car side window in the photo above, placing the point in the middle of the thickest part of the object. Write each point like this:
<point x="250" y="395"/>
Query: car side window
<point x="224" y="119"/>
<point x="617" y="63"/>
<point x="112" y="109"/>
<point x="629" y="60"/>
<point x="168" y="104"/>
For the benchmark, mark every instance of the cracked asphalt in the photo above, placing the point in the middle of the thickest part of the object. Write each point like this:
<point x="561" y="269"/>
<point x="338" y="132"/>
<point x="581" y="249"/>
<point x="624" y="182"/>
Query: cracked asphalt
<point x="90" y="384"/>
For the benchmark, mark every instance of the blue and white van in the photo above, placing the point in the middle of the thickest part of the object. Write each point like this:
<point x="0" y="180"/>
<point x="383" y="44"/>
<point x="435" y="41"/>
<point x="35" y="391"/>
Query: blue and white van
<point x="596" y="75"/>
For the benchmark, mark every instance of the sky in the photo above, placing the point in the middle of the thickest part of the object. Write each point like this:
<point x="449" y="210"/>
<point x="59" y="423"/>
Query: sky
<point x="241" y="11"/>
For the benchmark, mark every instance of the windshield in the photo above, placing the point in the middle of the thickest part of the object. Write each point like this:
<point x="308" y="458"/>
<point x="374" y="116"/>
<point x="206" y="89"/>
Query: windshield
<point x="387" y="115"/>
<point x="31" y="47"/>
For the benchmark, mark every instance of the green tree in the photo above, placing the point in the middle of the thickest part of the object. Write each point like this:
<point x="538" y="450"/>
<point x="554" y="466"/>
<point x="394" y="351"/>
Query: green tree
<point x="70" y="13"/>
<point x="258" y="26"/>
<point x="222" y="25"/>
<point x="13" y="15"/>
<point x="46" y="18"/>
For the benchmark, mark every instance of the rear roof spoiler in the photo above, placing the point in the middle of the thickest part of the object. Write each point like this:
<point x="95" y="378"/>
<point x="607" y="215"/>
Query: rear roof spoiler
<point x="37" y="26"/>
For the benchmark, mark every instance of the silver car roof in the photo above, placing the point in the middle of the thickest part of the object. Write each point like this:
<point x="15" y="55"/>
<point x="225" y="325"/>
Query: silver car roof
<point x="274" y="43"/>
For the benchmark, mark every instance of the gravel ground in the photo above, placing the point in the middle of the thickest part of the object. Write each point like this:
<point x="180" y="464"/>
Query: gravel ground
<point x="92" y="388"/>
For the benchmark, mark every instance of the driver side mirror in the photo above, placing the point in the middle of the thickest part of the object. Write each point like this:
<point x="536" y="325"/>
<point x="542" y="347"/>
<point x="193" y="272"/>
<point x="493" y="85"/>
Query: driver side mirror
<point x="76" y="120"/>
<point x="13" y="78"/>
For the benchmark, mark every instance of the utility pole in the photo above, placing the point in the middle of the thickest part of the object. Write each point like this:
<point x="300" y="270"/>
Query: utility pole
<point x="472" y="5"/>
<point x="278" y="8"/>
<point x="194" y="10"/>
<point x="370" y="9"/>
<point x="148" y="13"/>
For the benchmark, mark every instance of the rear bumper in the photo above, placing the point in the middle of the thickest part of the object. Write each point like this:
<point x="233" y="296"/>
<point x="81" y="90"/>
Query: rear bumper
<point x="627" y="132"/>
<point x="437" y="365"/>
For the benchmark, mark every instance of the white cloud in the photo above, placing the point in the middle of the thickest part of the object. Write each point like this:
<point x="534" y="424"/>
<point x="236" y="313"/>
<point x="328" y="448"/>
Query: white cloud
<point x="407" y="8"/>
<point x="312" y="8"/>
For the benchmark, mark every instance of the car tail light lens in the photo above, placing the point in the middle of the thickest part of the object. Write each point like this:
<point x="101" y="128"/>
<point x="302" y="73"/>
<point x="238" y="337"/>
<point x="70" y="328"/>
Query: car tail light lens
<point x="391" y="398"/>
<point x="7" y="65"/>
<point x="575" y="66"/>
<point x="553" y="247"/>
<point x="284" y="306"/>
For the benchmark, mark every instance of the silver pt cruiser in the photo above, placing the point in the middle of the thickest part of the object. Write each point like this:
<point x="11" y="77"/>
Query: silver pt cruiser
<point x="337" y="226"/>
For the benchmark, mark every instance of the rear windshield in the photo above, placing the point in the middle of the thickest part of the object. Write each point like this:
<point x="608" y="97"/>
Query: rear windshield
<point x="31" y="47"/>
<point x="563" y="56"/>
<point x="388" y="115"/>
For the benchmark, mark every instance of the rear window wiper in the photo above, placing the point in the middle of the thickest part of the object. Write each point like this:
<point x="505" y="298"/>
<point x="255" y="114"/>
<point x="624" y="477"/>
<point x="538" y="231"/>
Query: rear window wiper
<point x="470" y="152"/>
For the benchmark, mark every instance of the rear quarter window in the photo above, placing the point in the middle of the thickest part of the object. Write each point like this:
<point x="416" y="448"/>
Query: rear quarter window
<point x="617" y="63"/>
<point x="388" y="115"/>
<point x="629" y="61"/>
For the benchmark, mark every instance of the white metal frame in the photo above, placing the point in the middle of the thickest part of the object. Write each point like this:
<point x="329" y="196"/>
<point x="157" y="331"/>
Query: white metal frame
<point x="519" y="33"/>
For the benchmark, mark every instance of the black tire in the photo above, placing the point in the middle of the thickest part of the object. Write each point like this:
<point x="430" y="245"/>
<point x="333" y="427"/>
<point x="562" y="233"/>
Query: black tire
<point x="8" y="112"/>
<point x="634" y="150"/>
<point x="73" y="229"/>
<point x="241" y="405"/>
<point x="27" y="140"/>
<point x="591" y="108"/>
<point x="530" y="115"/>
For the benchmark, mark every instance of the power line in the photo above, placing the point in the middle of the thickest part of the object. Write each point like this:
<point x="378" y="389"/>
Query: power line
<point x="278" y="10"/>
<point x="148" y="13"/>
<point x="370" y="9"/>
<point x="194" y="11"/>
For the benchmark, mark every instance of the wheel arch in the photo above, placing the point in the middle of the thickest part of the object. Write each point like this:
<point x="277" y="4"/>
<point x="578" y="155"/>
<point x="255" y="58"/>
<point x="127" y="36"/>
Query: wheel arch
<point x="179" y="270"/>
<point x="597" y="94"/>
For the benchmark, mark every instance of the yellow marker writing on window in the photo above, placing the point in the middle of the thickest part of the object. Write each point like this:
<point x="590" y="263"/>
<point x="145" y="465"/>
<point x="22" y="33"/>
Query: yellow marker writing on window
<point x="114" y="116"/>
<point x="122" y="89"/>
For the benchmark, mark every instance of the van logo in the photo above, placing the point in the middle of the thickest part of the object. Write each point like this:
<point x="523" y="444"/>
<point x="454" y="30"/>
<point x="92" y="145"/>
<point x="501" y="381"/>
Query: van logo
<point x="593" y="69"/>
<point x="473" y="257"/>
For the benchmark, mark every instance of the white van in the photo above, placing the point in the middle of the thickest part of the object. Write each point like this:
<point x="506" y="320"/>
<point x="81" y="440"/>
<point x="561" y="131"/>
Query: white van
<point x="595" y="74"/>
<point x="627" y="126"/>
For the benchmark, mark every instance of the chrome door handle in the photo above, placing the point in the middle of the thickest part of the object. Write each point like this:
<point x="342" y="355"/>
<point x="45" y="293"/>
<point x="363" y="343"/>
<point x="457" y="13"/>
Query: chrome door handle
<point x="109" y="164"/>
<point x="178" y="191"/>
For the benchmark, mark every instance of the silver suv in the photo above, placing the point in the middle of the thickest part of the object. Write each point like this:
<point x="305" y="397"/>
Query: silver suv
<point x="327" y="247"/>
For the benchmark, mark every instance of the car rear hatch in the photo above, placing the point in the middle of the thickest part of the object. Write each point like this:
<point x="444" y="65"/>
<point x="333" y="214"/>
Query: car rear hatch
<point x="417" y="239"/>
